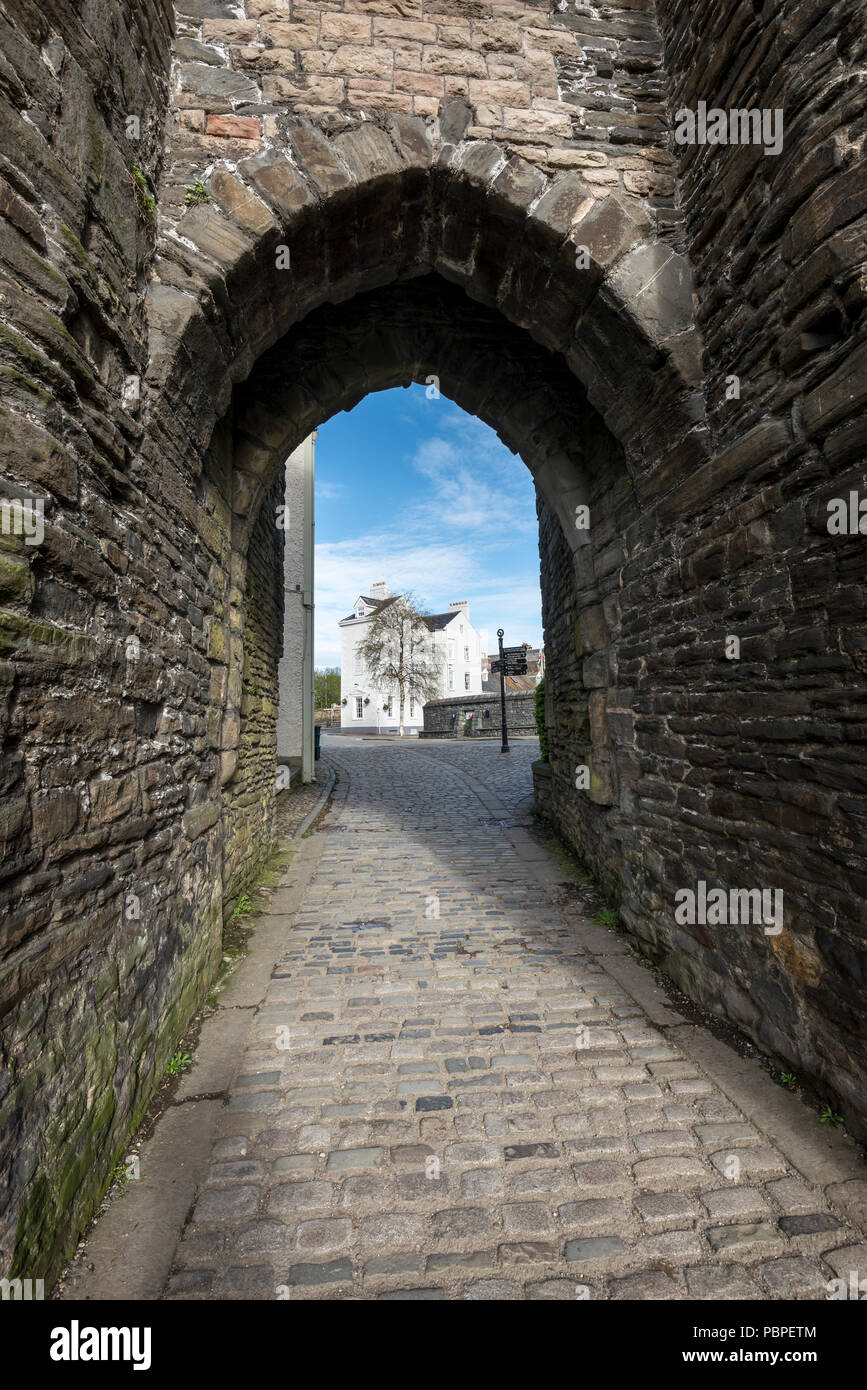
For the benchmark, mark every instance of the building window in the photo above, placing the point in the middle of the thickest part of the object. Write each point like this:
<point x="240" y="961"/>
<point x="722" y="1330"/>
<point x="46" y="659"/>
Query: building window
<point x="461" y="628"/>
<point x="411" y="707"/>
<point x="359" y="612"/>
<point x="451" y="678"/>
<point x="359" y="707"/>
<point x="466" y="653"/>
<point x="389" y="706"/>
<point x="466" y="680"/>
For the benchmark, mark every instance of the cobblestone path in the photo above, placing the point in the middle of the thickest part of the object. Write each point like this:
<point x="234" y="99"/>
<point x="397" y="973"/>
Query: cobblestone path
<point x="446" y="1095"/>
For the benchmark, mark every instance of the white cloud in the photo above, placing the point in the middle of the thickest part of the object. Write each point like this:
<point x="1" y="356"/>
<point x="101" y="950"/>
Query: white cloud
<point x="328" y="492"/>
<point x="472" y="474"/>
<point x="438" y="574"/>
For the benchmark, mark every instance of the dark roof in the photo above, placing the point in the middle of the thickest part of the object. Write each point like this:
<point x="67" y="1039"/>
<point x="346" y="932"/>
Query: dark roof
<point x="374" y="603"/>
<point x="437" y="621"/>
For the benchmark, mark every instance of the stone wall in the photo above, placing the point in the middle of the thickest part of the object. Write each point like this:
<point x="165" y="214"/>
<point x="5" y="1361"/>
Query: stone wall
<point x="588" y="714"/>
<point x="745" y="771"/>
<point x="560" y="86"/>
<point x="762" y="758"/>
<point x="107" y="919"/>
<point x="248" y="798"/>
<point x="445" y="718"/>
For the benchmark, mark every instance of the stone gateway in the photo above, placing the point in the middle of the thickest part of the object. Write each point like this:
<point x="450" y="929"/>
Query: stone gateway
<point x="223" y="223"/>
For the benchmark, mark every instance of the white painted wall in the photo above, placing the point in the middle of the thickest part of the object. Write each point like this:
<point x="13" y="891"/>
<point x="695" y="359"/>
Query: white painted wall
<point x="462" y="654"/>
<point x="294" y="711"/>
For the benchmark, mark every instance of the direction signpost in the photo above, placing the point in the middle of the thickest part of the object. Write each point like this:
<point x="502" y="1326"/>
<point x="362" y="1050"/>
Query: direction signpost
<point x="512" y="662"/>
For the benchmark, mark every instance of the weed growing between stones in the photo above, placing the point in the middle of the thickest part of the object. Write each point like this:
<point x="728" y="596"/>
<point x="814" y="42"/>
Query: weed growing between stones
<point x="147" y="203"/>
<point x="829" y="1117"/>
<point x="196" y="193"/>
<point x="178" y="1063"/>
<point x="607" y="917"/>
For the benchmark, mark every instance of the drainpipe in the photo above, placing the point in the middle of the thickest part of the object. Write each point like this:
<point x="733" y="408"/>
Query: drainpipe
<point x="308" y="767"/>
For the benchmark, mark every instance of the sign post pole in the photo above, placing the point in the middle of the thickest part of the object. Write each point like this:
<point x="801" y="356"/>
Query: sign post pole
<point x="504" y="748"/>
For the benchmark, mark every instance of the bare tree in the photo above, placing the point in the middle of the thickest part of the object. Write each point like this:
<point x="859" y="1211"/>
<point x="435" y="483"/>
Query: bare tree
<point x="398" y="650"/>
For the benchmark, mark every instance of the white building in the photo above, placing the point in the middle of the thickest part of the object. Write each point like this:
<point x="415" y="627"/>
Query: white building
<point x="295" y="709"/>
<point x="367" y="709"/>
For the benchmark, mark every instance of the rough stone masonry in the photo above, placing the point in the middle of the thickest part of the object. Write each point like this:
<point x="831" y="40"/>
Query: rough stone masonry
<point x="223" y="222"/>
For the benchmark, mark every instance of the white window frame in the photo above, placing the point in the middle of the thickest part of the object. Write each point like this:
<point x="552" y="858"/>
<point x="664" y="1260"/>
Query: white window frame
<point x="359" y="707"/>
<point x="466" y="680"/>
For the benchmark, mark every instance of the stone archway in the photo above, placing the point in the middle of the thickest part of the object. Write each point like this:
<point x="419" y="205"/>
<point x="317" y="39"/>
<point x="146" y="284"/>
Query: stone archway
<point x="382" y="205"/>
<point x="120" y="631"/>
<point x="374" y="206"/>
<point x="576" y="280"/>
<point x="425" y="330"/>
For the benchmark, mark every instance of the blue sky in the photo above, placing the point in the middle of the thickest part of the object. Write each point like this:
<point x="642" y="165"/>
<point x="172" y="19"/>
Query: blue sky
<point x="424" y="496"/>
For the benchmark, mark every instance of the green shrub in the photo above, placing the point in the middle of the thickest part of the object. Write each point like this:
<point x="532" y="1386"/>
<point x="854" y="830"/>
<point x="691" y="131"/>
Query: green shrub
<point x="541" y="726"/>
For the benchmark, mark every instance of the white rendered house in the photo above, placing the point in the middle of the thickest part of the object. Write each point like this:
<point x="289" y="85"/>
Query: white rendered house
<point x="368" y="709"/>
<point x="295" y="672"/>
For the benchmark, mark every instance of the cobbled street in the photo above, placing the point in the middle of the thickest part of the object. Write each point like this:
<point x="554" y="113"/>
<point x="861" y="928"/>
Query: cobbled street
<point x="445" y="1094"/>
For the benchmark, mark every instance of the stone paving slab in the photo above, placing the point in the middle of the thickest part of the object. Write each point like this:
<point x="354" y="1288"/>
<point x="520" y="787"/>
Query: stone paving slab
<point x="445" y="1094"/>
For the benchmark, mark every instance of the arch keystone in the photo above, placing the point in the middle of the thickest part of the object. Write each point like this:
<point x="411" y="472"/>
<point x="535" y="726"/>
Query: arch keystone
<point x="315" y="156"/>
<point x="368" y="153"/>
<point x="477" y="162"/>
<point x="216" y="236"/>
<point x="518" y="184"/>
<point x="413" y="138"/>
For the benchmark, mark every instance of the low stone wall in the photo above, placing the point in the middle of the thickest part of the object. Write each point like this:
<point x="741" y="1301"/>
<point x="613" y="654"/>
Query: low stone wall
<point x="444" y="718"/>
